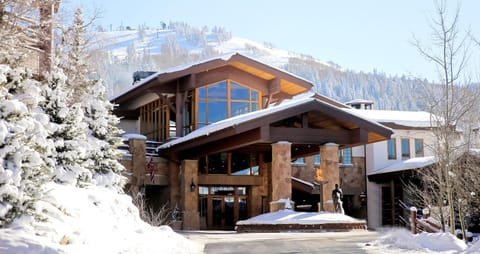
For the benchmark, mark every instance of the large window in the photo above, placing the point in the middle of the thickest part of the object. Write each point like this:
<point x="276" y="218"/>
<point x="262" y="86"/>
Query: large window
<point x="229" y="164"/>
<point x="392" y="152"/>
<point x="223" y="100"/>
<point x="405" y="149"/>
<point x="345" y="156"/>
<point x="419" y="148"/>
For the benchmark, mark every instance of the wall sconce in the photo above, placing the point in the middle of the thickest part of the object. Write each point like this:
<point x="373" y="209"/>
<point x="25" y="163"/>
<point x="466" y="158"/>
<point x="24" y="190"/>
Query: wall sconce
<point x="363" y="199"/>
<point x="192" y="186"/>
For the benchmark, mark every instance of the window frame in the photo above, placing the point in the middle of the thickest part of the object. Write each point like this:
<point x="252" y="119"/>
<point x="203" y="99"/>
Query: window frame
<point x="408" y="154"/>
<point x="394" y="146"/>
<point x="422" y="147"/>
<point x="228" y="100"/>
<point x="341" y="156"/>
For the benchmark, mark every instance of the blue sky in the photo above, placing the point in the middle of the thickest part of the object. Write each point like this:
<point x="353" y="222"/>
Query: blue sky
<point x="358" y="35"/>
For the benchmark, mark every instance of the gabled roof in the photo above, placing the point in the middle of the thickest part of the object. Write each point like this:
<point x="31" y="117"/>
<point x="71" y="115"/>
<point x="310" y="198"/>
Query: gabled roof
<point x="288" y="83"/>
<point x="398" y="119"/>
<point x="334" y="118"/>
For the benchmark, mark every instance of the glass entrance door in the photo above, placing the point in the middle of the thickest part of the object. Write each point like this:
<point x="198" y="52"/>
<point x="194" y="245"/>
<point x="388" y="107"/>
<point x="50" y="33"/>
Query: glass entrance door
<point x="221" y="209"/>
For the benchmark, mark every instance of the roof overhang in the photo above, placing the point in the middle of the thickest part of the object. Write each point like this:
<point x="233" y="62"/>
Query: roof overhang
<point x="322" y="123"/>
<point x="273" y="82"/>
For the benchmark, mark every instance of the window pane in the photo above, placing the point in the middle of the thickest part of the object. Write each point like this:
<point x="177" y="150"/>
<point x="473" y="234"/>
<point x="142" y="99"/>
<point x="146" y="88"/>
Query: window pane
<point x="347" y="156"/>
<point x="316" y="159"/>
<point x="392" y="154"/>
<point x="218" y="90"/>
<point x="254" y="164"/>
<point x="202" y="92"/>
<point x="238" y="92"/>
<point x="202" y="165"/>
<point x="405" y="149"/>
<point x="217" y="110"/>
<point x="238" y="108"/>
<point x="240" y="164"/>
<point x="299" y="161"/>
<point x="221" y="190"/>
<point x="254" y="95"/>
<point x="202" y="111"/>
<point x="218" y="163"/>
<point x="254" y="106"/>
<point x="203" y="190"/>
<point x="419" y="148"/>
<point x="242" y="190"/>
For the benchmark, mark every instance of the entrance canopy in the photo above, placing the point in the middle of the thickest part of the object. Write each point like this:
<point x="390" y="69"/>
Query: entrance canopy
<point x="306" y="122"/>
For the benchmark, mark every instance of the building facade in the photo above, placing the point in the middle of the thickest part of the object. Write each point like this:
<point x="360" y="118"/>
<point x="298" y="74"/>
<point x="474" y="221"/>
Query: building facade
<point x="227" y="131"/>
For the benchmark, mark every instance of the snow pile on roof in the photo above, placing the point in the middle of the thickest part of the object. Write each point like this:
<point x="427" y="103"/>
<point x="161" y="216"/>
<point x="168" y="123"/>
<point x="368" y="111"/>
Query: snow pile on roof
<point x="420" y="119"/>
<point x="413" y="163"/>
<point x="425" y="242"/>
<point x="291" y="217"/>
<point x="90" y="220"/>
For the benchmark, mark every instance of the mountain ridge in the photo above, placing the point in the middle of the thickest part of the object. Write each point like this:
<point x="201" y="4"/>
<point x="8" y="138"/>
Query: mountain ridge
<point x="119" y="54"/>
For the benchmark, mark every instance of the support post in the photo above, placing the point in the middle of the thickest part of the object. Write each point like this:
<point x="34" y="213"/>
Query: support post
<point x="328" y="174"/>
<point x="281" y="183"/>
<point x="413" y="220"/>
<point x="189" y="194"/>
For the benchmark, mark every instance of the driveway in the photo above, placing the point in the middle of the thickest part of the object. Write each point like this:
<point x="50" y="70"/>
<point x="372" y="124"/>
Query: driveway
<point x="230" y="242"/>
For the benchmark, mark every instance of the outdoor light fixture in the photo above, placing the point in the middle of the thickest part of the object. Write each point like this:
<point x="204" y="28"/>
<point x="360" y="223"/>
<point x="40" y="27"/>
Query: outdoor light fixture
<point x="192" y="186"/>
<point x="363" y="199"/>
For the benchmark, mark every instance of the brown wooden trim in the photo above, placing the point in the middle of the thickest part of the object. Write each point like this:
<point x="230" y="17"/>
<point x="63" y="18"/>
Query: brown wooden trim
<point x="222" y="180"/>
<point x="309" y="135"/>
<point x="227" y="143"/>
<point x="232" y="73"/>
<point x="161" y="81"/>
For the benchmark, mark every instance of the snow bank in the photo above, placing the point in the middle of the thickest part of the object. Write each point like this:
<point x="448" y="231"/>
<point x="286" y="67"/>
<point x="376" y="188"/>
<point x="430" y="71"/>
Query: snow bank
<point x="90" y="220"/>
<point x="291" y="217"/>
<point x="426" y="242"/>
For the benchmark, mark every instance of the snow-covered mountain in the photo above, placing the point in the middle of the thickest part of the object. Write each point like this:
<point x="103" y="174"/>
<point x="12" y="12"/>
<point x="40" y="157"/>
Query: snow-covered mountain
<point x="118" y="54"/>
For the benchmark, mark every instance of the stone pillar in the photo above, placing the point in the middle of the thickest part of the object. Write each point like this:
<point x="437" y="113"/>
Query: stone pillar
<point x="174" y="184"/>
<point x="328" y="173"/>
<point x="189" y="195"/>
<point x="281" y="173"/>
<point x="139" y="161"/>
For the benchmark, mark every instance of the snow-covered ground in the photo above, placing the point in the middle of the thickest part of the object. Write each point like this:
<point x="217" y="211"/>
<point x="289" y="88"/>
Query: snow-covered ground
<point x="90" y="220"/>
<point x="404" y="241"/>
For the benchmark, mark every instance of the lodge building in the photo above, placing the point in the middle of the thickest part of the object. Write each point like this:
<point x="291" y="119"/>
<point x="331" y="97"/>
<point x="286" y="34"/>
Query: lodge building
<point x="227" y="130"/>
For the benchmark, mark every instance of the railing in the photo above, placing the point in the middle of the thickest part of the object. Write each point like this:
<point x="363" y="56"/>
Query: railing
<point x="150" y="148"/>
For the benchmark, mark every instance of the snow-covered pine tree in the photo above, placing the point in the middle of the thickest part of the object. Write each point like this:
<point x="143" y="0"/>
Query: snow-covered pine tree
<point x="69" y="137"/>
<point x="101" y="131"/>
<point x="24" y="147"/>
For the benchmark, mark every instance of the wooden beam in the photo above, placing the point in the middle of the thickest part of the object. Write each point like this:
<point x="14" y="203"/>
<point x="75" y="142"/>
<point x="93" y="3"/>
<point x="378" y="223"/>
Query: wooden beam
<point x="229" y="72"/>
<point x="225" y="144"/>
<point x="230" y="180"/>
<point x="274" y="86"/>
<point x="305" y="120"/>
<point x="359" y="136"/>
<point x="310" y="136"/>
<point x="179" y="111"/>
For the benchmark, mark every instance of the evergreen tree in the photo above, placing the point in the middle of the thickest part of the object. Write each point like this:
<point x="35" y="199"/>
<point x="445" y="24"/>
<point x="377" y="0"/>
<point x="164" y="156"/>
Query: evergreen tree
<point x="100" y="132"/>
<point x="24" y="147"/>
<point x="69" y="137"/>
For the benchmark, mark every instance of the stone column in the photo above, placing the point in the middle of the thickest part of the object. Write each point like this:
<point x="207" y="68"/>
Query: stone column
<point x="189" y="196"/>
<point x="139" y="161"/>
<point x="281" y="174"/>
<point x="328" y="173"/>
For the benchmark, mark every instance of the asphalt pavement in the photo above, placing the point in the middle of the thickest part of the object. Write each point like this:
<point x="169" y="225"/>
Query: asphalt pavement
<point x="230" y="242"/>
